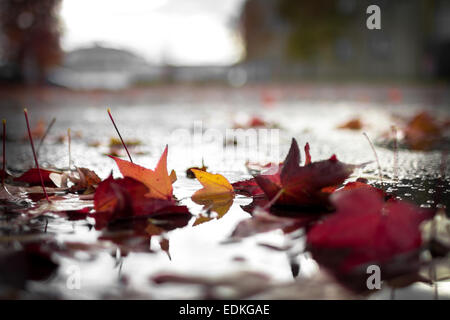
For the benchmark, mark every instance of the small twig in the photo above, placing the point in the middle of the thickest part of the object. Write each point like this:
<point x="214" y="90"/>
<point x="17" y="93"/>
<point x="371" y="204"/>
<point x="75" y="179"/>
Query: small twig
<point x="4" y="153"/>
<point x="117" y="130"/>
<point x="69" y="144"/>
<point x="25" y="111"/>
<point x="394" y="132"/>
<point x="376" y="158"/>
<point x="433" y="276"/>
<point x="45" y="136"/>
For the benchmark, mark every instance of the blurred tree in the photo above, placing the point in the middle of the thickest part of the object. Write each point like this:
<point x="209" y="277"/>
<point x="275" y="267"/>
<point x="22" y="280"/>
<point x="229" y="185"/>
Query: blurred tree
<point x="257" y="32"/>
<point x="31" y="37"/>
<point x="314" y="25"/>
<point x="297" y="29"/>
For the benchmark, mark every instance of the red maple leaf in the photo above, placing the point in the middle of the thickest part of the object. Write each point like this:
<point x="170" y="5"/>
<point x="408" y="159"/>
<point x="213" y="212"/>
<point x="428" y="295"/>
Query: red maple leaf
<point x="126" y="198"/>
<point x="251" y="187"/>
<point x="364" y="230"/>
<point x="32" y="177"/>
<point x="304" y="185"/>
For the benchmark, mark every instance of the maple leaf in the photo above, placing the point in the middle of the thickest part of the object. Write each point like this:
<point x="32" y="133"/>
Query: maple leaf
<point x="158" y="181"/>
<point x="217" y="194"/>
<point x="84" y="180"/>
<point x="251" y="187"/>
<point x="33" y="179"/>
<point x="257" y="168"/>
<point x="359" y="184"/>
<point x="214" y="186"/>
<point x="303" y="185"/>
<point x="126" y="198"/>
<point x="353" y="124"/>
<point x="247" y="188"/>
<point x="254" y="122"/>
<point x="422" y="132"/>
<point x="367" y="230"/>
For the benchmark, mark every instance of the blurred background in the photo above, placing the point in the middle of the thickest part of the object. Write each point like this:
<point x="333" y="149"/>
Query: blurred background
<point x="113" y="44"/>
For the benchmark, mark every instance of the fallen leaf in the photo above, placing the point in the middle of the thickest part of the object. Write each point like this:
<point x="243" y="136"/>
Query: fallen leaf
<point x="214" y="185"/>
<point x="254" y="122"/>
<point x="158" y="181"/>
<point x="127" y="198"/>
<point x="422" y="132"/>
<point x="165" y="246"/>
<point x="191" y="175"/>
<point x="361" y="185"/>
<point x="248" y="188"/>
<point x="217" y="194"/>
<point x="86" y="181"/>
<point x="367" y="230"/>
<point x="32" y="177"/>
<point x="114" y="142"/>
<point x="353" y="124"/>
<point x="303" y="185"/>
<point x="173" y="176"/>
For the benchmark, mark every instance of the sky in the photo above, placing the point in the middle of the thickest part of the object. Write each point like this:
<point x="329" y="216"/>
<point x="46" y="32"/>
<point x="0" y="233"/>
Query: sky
<point x="180" y="32"/>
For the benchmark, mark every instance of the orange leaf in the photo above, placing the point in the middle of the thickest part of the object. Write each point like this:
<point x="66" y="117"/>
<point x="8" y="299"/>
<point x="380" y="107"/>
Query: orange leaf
<point x="215" y="186"/>
<point x="158" y="181"/>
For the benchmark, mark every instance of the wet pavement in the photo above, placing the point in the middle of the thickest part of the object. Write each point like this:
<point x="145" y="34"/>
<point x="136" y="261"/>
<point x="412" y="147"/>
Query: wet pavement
<point x="194" y="123"/>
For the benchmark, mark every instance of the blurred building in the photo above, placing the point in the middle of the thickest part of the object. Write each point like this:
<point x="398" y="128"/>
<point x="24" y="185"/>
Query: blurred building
<point x="100" y="67"/>
<point x="329" y="39"/>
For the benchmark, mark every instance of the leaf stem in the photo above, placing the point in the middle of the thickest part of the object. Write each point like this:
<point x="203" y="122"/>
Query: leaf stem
<point x="4" y="153"/>
<point x="70" y="153"/>
<point x="394" y="132"/>
<point x="45" y="136"/>
<point x="117" y="130"/>
<point x="25" y="111"/>
<point x="274" y="199"/>
<point x="376" y="158"/>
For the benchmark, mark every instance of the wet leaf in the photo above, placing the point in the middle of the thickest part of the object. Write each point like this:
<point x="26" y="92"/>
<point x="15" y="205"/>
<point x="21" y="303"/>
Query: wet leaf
<point x="422" y="132"/>
<point x="217" y="194"/>
<point x="32" y="177"/>
<point x="158" y="181"/>
<point x="303" y="185"/>
<point x="214" y="185"/>
<point x="190" y="174"/>
<point x="367" y="230"/>
<point x="127" y="198"/>
<point x="352" y="124"/>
